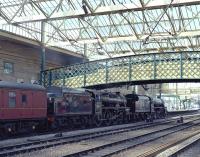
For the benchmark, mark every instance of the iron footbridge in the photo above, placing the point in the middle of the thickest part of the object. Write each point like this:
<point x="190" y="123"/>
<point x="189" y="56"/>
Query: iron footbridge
<point x="136" y="69"/>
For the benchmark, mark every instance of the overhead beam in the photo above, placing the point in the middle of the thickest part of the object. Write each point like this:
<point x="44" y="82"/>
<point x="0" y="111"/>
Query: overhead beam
<point x="104" y="10"/>
<point x="157" y="36"/>
<point x="171" y="46"/>
<point x="151" y="50"/>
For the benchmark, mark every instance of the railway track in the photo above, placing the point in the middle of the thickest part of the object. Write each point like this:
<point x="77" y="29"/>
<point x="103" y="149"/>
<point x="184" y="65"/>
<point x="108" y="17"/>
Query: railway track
<point x="119" y="145"/>
<point x="162" y="147"/>
<point x="27" y="135"/>
<point x="127" y="143"/>
<point x="176" y="148"/>
<point x="47" y="143"/>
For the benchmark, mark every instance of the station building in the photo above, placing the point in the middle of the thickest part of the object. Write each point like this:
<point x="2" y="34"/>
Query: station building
<point x="20" y="58"/>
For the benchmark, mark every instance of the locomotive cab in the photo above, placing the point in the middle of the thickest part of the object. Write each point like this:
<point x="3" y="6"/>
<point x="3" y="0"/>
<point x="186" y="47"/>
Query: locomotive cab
<point x="131" y="99"/>
<point x="140" y="106"/>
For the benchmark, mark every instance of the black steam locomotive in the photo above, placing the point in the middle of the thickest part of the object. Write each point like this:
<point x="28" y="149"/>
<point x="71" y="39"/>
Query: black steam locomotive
<point x="68" y="107"/>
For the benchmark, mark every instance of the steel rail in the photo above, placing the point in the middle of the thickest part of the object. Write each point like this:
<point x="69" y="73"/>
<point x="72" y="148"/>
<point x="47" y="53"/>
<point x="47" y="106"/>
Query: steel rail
<point x="36" y="145"/>
<point x="162" y="147"/>
<point x="181" y="146"/>
<point x="47" y="143"/>
<point x="121" y="145"/>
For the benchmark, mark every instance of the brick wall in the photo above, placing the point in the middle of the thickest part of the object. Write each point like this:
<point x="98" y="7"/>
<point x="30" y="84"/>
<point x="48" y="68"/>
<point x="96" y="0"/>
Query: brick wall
<point x="26" y="61"/>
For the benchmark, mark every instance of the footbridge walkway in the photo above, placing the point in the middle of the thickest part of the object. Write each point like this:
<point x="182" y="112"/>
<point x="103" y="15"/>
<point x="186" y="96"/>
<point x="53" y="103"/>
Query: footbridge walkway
<point x="137" y="69"/>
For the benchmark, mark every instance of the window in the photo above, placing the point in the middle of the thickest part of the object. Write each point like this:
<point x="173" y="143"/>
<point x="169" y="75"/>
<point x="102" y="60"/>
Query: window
<point x="8" y="68"/>
<point x="12" y="99"/>
<point x="24" y="99"/>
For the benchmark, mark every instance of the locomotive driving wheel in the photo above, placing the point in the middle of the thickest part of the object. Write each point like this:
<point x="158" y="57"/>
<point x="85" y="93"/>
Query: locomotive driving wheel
<point x="108" y="118"/>
<point x="97" y="121"/>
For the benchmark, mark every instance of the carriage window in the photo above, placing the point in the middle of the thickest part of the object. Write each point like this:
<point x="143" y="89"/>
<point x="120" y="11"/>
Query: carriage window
<point x="24" y="99"/>
<point x="12" y="99"/>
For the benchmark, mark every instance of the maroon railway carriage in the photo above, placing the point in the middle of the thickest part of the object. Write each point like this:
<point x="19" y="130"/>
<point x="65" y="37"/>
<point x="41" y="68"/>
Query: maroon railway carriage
<point x="22" y="106"/>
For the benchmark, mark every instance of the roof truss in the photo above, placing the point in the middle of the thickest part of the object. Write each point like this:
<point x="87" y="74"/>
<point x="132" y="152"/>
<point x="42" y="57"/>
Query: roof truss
<point x="116" y="27"/>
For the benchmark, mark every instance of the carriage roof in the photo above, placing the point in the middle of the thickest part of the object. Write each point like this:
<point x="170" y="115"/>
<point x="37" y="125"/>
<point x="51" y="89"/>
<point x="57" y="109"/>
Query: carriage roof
<point x="14" y="85"/>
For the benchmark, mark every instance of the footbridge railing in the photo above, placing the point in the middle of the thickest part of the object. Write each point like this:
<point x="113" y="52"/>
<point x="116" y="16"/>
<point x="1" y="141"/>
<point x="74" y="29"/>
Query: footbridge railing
<point x="157" y="66"/>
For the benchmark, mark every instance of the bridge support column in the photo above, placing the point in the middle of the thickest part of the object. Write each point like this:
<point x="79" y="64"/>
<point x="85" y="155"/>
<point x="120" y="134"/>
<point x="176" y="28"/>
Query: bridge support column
<point x="106" y="71"/>
<point x="85" y="54"/>
<point x="129" y="69"/>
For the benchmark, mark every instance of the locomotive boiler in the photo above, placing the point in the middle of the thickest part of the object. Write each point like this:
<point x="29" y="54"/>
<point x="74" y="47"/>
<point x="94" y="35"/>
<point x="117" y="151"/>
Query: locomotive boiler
<point x="113" y="107"/>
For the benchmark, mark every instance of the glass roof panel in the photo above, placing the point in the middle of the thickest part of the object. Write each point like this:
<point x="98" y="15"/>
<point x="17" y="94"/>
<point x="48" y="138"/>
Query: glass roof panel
<point x="110" y="28"/>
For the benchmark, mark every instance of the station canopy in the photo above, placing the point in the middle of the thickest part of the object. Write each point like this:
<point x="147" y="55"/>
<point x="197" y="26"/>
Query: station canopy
<point x="106" y="28"/>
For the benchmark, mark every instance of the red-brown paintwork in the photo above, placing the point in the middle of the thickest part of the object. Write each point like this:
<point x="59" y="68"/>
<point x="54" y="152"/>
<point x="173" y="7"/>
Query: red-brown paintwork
<point x="73" y="104"/>
<point x="35" y="107"/>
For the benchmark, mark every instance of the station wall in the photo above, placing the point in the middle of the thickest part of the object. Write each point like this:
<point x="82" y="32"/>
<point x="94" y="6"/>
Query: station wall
<point x="21" y="62"/>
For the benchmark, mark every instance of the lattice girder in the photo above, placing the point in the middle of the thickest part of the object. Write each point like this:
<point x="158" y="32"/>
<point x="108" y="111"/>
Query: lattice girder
<point x="160" y="66"/>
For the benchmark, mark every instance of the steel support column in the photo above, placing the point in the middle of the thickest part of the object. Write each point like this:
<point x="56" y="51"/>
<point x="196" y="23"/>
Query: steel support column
<point x="43" y="52"/>
<point x="181" y="65"/>
<point x="154" y="66"/>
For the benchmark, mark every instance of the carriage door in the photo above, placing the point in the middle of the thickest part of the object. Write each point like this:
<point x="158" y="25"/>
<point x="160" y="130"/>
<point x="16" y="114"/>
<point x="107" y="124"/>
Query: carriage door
<point x="24" y="104"/>
<point x="11" y="110"/>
